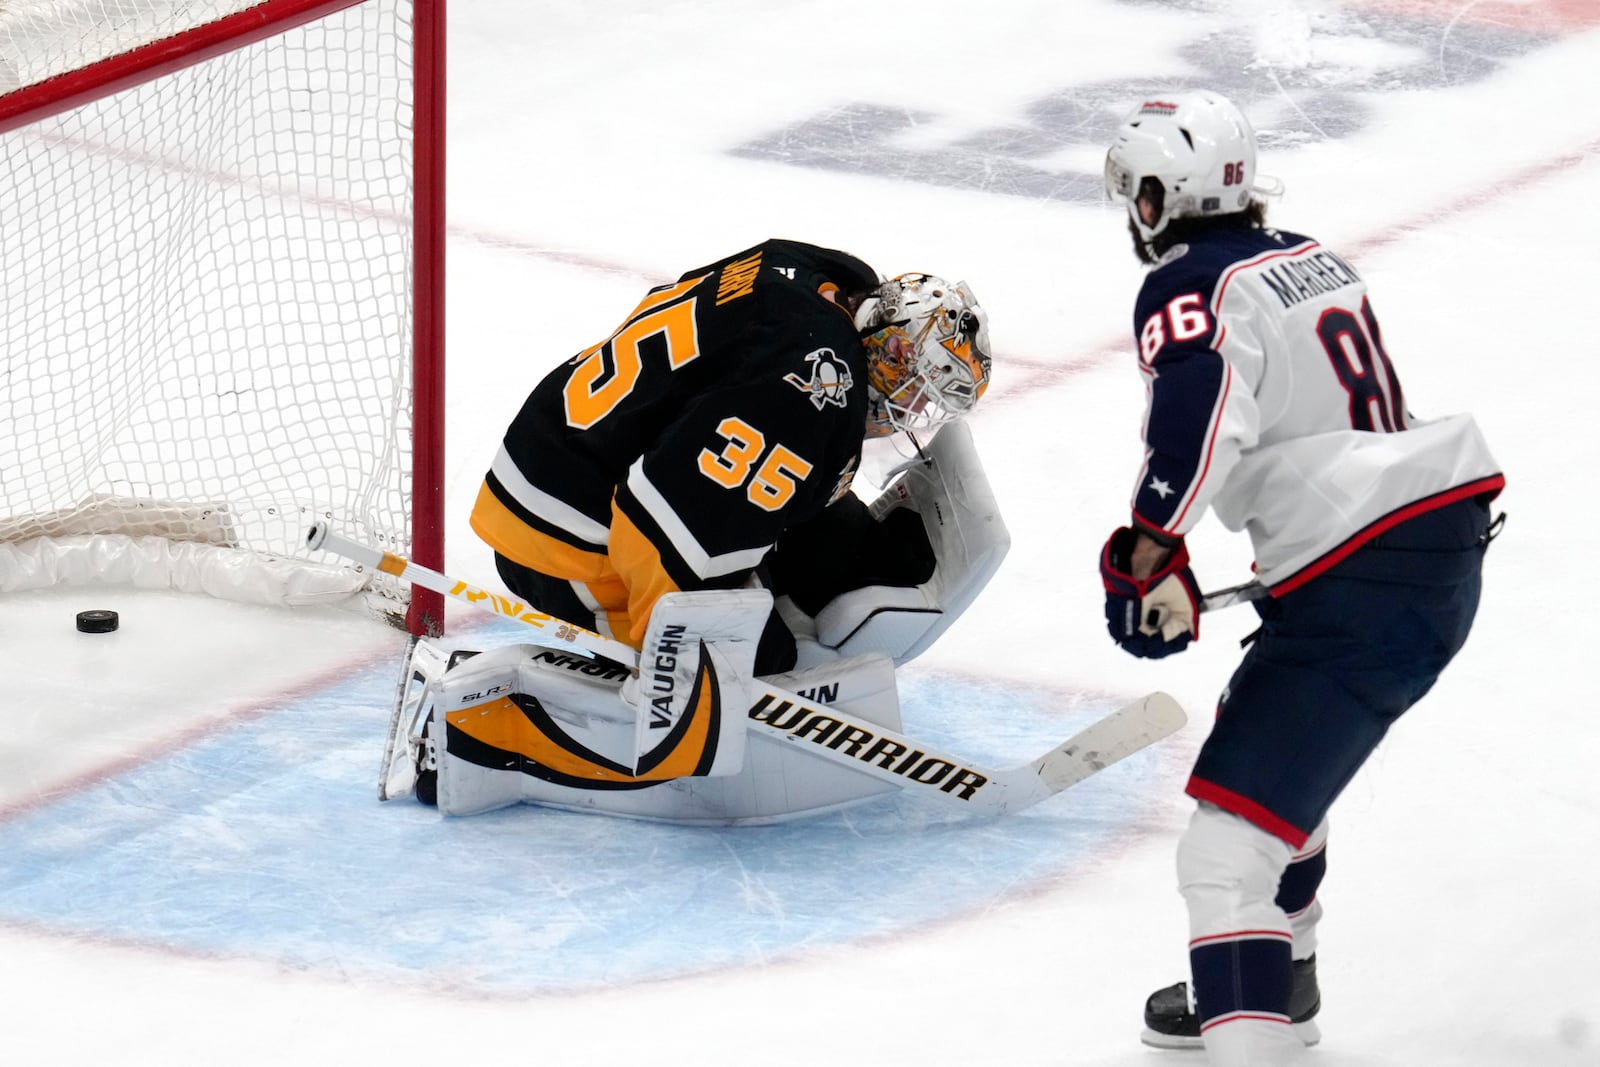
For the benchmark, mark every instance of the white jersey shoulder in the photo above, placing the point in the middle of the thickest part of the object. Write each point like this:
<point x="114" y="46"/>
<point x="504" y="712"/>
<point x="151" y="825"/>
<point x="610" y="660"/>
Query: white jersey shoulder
<point x="1325" y="452"/>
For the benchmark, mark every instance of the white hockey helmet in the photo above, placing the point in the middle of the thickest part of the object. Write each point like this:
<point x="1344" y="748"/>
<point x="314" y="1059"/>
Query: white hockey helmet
<point x="927" y="347"/>
<point x="1198" y="145"/>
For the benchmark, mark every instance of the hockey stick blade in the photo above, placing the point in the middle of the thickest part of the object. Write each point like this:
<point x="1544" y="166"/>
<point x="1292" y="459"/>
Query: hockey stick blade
<point x="835" y="735"/>
<point x="1129" y="729"/>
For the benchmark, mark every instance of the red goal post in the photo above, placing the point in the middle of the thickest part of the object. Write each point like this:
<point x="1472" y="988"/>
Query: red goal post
<point x="223" y="282"/>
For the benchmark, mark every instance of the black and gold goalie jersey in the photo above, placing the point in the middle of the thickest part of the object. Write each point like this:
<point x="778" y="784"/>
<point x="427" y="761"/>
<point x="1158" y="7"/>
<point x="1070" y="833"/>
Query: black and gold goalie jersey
<point x="727" y="407"/>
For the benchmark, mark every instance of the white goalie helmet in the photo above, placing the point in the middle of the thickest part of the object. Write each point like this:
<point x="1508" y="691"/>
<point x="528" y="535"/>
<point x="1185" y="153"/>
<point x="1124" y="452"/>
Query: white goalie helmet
<point x="927" y="347"/>
<point x="1198" y="145"/>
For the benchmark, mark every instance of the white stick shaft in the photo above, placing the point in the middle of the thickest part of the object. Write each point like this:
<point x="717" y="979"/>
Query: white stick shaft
<point x="557" y="632"/>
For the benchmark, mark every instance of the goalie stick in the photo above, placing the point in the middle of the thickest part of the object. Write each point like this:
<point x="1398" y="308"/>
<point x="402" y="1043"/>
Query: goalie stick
<point x="830" y="733"/>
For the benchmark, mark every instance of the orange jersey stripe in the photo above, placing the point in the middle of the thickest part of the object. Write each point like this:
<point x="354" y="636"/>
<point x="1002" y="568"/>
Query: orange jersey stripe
<point x="639" y="564"/>
<point x="508" y="535"/>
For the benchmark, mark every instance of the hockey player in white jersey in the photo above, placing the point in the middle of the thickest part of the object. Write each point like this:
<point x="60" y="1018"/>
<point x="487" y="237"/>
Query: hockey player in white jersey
<point x="1272" y="401"/>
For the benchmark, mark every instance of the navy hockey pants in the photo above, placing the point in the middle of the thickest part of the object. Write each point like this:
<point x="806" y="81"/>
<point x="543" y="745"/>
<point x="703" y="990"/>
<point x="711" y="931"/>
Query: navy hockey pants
<point x="1337" y="661"/>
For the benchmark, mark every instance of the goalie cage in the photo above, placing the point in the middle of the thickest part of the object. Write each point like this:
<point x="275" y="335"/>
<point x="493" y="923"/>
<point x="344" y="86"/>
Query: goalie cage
<point x="223" y="225"/>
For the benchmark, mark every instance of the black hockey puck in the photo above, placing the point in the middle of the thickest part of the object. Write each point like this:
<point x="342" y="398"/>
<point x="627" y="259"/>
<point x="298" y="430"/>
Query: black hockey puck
<point x="97" y="622"/>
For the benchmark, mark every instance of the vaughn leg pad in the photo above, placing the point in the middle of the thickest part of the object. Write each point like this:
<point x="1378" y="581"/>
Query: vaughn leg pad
<point x="694" y="682"/>
<point x="523" y="714"/>
<point x="778" y="781"/>
<point x="526" y="710"/>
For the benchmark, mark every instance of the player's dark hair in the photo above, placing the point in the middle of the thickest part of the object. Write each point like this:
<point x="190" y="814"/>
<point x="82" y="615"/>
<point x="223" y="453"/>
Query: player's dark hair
<point x="1179" y="231"/>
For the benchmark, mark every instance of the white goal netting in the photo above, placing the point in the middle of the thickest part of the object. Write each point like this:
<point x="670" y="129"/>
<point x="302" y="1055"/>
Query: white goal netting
<point x="207" y="331"/>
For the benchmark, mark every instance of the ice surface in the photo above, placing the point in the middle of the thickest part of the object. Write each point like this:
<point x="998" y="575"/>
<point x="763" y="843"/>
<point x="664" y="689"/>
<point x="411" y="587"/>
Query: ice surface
<point x="195" y="866"/>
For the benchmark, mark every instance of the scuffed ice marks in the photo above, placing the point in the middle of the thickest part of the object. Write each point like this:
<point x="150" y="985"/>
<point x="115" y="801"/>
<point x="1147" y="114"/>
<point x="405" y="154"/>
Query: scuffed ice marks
<point x="1303" y="73"/>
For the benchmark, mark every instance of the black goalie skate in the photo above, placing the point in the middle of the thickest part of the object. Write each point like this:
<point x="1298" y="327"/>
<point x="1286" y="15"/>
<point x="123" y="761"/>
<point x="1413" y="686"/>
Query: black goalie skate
<point x="1170" y="1020"/>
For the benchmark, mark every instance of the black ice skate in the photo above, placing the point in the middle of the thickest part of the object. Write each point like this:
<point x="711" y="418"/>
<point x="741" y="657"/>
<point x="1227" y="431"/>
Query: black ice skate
<point x="1170" y="1020"/>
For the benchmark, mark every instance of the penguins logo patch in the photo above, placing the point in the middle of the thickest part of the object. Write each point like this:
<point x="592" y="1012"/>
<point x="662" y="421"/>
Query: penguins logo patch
<point x="830" y="379"/>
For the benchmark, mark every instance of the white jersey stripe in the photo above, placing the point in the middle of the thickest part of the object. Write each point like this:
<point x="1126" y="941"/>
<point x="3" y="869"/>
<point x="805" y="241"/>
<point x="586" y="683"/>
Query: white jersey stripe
<point x="688" y="547"/>
<point x="547" y="507"/>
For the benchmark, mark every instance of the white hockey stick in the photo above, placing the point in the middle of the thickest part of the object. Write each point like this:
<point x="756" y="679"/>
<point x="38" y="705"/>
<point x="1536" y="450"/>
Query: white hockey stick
<point x="831" y="733"/>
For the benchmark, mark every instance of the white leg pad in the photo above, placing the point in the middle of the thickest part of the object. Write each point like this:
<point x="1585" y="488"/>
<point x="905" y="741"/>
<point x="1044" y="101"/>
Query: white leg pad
<point x="551" y="717"/>
<point x="577" y="723"/>
<point x="420" y="677"/>
<point x="864" y="685"/>
<point x="779" y="780"/>
<point x="469" y="789"/>
<point x="694" y="682"/>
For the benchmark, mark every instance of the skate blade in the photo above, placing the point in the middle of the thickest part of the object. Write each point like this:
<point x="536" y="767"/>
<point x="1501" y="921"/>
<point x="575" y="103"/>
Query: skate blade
<point x="1175" y="1042"/>
<point x="1308" y="1032"/>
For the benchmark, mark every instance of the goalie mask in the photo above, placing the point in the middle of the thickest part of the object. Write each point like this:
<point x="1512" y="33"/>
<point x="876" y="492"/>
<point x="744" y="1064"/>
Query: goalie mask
<point x="927" y="345"/>
<point x="1197" y="147"/>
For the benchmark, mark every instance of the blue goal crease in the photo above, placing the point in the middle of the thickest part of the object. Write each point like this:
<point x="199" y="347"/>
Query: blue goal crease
<point x="267" y="840"/>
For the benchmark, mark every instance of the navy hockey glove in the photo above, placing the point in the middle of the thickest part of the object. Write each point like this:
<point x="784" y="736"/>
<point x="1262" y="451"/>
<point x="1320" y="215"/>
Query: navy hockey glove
<point x="1156" y="616"/>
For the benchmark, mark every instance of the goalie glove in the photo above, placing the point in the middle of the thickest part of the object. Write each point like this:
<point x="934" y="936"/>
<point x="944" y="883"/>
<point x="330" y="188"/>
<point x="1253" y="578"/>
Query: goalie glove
<point x="1150" y="617"/>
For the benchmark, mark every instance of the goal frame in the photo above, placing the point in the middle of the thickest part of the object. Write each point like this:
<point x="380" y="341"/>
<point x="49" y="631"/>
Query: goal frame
<point x="71" y="89"/>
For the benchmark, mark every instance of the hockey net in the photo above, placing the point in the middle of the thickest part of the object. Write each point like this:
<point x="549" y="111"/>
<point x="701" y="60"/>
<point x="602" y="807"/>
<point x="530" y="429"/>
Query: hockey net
<point x="222" y="279"/>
